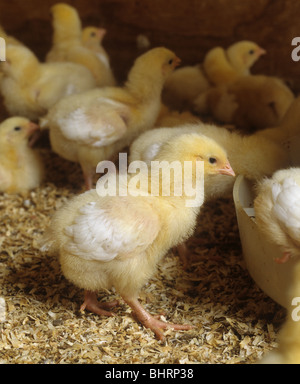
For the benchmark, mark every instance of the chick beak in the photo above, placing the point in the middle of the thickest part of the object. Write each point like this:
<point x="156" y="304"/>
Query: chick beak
<point x="101" y="33"/>
<point x="33" y="133"/>
<point x="261" y="52"/>
<point x="227" y="170"/>
<point x="177" y="62"/>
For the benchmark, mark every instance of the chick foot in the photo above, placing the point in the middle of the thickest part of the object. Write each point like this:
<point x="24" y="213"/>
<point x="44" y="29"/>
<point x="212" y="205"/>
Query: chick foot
<point x="92" y="304"/>
<point x="152" y="322"/>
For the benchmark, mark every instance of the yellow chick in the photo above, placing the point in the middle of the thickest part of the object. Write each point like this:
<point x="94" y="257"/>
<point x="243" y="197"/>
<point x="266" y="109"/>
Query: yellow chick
<point x="183" y="86"/>
<point x="20" y="166"/>
<point x="67" y="45"/>
<point x="224" y="67"/>
<point x="118" y="240"/>
<point x="97" y="124"/>
<point x="250" y="103"/>
<point x="251" y="156"/>
<point x="277" y="208"/>
<point x="29" y="87"/>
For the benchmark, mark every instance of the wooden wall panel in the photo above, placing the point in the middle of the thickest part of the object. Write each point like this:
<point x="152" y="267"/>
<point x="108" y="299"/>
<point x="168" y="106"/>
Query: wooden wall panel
<point x="189" y="27"/>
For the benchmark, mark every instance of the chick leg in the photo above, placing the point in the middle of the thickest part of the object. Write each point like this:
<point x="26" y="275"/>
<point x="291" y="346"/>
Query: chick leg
<point x="88" y="181"/>
<point x="91" y="304"/>
<point x="150" y="321"/>
<point x="88" y="178"/>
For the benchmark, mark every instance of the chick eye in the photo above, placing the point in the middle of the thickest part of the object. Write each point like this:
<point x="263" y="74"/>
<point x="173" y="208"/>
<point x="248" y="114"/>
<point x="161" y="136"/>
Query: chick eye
<point x="17" y="129"/>
<point x="171" y="61"/>
<point x="212" y="160"/>
<point x="251" y="52"/>
<point x="93" y="34"/>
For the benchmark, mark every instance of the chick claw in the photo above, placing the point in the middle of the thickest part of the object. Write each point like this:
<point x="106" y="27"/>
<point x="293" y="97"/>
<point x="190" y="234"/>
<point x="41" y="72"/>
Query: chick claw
<point x="91" y="304"/>
<point x="156" y="325"/>
<point x="152" y="322"/>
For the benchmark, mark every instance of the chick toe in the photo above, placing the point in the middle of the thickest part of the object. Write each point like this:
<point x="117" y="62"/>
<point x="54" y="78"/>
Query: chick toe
<point x="91" y="304"/>
<point x="152" y="322"/>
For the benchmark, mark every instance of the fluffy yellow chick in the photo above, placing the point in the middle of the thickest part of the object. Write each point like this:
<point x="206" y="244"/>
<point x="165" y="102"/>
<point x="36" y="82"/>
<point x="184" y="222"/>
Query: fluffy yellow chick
<point x="277" y="211"/>
<point x="118" y="240"/>
<point x="252" y="156"/>
<point x="225" y="66"/>
<point x="251" y="102"/>
<point x="20" y="166"/>
<point x="67" y="44"/>
<point x="29" y="87"/>
<point x="183" y="86"/>
<point x="97" y="124"/>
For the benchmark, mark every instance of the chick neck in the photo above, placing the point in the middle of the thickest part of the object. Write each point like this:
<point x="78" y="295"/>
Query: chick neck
<point x="144" y="85"/>
<point x="236" y="59"/>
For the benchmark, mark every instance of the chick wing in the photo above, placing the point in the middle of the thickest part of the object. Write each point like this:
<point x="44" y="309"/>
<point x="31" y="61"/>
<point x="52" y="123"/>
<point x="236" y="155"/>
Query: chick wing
<point x="99" y="124"/>
<point x="119" y="229"/>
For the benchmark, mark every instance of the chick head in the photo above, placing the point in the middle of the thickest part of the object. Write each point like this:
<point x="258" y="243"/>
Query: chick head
<point x="92" y="36"/>
<point x="19" y="59"/>
<point x="157" y="62"/>
<point x="196" y="147"/>
<point x="244" y="54"/>
<point x="17" y="131"/>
